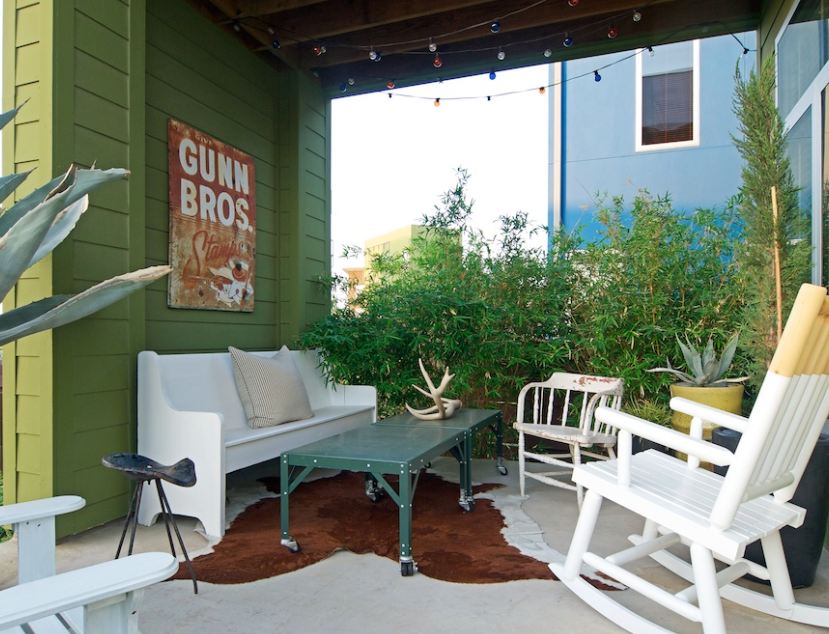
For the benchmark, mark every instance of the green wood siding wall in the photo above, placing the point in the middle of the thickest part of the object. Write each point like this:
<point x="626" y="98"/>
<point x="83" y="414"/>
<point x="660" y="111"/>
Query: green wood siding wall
<point x="305" y="256"/>
<point x="103" y="78"/>
<point x="202" y="76"/>
<point x="97" y="63"/>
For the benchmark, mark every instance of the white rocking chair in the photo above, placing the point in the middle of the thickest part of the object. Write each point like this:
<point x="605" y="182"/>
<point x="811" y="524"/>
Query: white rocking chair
<point x="99" y="599"/>
<point x="717" y="517"/>
<point x="544" y="409"/>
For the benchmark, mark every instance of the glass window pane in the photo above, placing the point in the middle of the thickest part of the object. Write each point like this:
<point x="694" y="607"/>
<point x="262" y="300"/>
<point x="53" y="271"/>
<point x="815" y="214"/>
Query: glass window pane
<point x="801" y="51"/>
<point x="799" y="151"/>
<point x="668" y="108"/>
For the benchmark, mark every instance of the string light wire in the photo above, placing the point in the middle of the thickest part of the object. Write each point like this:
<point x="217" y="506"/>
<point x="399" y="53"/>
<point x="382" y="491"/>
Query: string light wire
<point x="589" y="73"/>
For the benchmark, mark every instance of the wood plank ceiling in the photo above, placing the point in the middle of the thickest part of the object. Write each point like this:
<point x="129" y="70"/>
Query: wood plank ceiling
<point x="337" y="39"/>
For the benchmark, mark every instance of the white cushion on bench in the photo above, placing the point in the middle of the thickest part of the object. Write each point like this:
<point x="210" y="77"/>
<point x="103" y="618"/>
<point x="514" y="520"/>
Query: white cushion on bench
<point x="239" y="436"/>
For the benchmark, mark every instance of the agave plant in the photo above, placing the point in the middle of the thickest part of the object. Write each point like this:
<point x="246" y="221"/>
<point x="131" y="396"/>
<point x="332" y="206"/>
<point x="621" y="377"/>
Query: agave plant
<point x="704" y="367"/>
<point x="33" y="227"/>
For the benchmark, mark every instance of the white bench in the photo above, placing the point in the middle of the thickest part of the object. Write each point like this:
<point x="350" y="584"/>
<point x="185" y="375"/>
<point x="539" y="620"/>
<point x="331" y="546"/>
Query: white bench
<point x="188" y="406"/>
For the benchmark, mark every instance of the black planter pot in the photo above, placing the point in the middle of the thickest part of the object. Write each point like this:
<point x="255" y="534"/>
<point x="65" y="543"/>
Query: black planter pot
<point x="802" y="546"/>
<point x="643" y="444"/>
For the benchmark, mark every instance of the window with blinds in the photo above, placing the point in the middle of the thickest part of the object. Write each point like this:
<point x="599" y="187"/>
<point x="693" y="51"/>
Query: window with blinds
<point x="668" y="107"/>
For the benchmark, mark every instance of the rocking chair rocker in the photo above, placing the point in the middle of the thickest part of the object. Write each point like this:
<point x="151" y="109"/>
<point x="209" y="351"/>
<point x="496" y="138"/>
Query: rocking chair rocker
<point x="717" y="517"/>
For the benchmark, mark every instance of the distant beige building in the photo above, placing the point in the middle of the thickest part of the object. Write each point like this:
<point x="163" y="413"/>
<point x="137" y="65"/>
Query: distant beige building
<point x="392" y="243"/>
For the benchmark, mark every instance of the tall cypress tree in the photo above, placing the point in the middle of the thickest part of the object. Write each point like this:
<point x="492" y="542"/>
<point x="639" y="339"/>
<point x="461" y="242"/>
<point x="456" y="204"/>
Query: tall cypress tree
<point x="762" y="145"/>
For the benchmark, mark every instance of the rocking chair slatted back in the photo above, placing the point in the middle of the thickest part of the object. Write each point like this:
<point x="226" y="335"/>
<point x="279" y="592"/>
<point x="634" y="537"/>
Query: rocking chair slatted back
<point x="592" y="392"/>
<point x="790" y="411"/>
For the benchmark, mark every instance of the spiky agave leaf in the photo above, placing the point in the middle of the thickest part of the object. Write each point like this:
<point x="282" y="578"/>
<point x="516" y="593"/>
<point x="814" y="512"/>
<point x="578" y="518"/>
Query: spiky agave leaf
<point x="9" y="115"/>
<point x="57" y="311"/>
<point x="85" y="180"/>
<point x="9" y="183"/>
<point x="692" y="358"/>
<point x="728" y="356"/>
<point x="61" y="227"/>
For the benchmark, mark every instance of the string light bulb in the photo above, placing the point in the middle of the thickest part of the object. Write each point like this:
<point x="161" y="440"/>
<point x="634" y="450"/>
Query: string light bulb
<point x="343" y="87"/>
<point x="319" y="50"/>
<point x="373" y="55"/>
<point x="637" y="17"/>
<point x="573" y="3"/>
<point x="488" y="98"/>
<point x="495" y="26"/>
<point x="437" y="62"/>
<point x="542" y="90"/>
<point x="568" y="41"/>
<point x="501" y="55"/>
<point x="390" y="84"/>
<point x="596" y="76"/>
<point x="437" y="102"/>
<point x="548" y="52"/>
<point x="236" y="26"/>
<point x="275" y="43"/>
<point x="492" y="74"/>
<point x="650" y="51"/>
<point x="432" y="46"/>
<point x="612" y="32"/>
<point x="270" y="30"/>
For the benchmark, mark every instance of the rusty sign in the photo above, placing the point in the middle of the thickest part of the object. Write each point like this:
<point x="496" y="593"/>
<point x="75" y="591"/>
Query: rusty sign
<point x="212" y="222"/>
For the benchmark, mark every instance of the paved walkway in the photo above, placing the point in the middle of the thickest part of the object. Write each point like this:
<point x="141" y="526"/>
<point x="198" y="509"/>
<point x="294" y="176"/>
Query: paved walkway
<point x="366" y="594"/>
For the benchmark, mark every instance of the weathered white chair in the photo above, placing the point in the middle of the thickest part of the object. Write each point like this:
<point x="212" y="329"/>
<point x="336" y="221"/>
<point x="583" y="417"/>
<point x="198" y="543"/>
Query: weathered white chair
<point x="544" y="410"/>
<point x="99" y="599"/>
<point x="717" y="517"/>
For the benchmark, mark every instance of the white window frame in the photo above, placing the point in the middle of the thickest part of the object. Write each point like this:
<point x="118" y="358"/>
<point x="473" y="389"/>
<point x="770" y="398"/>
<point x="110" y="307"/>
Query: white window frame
<point x="656" y="147"/>
<point x="811" y="98"/>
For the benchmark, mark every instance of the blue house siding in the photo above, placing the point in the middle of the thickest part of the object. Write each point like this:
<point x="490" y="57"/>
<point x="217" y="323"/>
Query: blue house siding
<point x="599" y="138"/>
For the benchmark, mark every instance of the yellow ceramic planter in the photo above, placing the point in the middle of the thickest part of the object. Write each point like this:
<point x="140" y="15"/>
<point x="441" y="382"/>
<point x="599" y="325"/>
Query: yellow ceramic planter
<point x="728" y="397"/>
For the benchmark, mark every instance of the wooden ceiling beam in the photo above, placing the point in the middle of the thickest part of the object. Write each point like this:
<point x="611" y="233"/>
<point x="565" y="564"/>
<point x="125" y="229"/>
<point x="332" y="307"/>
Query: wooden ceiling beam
<point x="556" y="16"/>
<point x="671" y="22"/>
<point x="337" y="17"/>
<point x="258" y="8"/>
<point x="229" y="8"/>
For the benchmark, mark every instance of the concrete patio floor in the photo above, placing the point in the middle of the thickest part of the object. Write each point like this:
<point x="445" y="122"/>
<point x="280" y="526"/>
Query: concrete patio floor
<point x="365" y="593"/>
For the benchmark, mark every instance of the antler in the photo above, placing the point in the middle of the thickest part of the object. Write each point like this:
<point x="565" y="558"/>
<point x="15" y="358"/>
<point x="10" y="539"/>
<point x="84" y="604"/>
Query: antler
<point x="443" y="407"/>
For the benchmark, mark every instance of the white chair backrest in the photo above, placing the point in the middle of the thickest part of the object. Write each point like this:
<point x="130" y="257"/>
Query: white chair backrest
<point x="787" y="418"/>
<point x="204" y="382"/>
<point x="569" y="398"/>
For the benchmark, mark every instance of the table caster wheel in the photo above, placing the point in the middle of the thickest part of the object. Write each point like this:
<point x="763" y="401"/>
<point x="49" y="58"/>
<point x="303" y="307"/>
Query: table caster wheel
<point x="291" y="544"/>
<point x="502" y="470"/>
<point x="373" y="492"/>
<point x="407" y="568"/>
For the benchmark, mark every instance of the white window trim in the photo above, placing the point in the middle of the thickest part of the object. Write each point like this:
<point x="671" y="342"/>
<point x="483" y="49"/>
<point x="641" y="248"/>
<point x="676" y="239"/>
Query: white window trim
<point x="656" y="147"/>
<point x="811" y="98"/>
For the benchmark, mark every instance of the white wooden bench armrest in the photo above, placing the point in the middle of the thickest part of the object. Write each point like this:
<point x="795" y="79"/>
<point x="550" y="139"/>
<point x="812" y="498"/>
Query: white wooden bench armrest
<point x="39" y="509"/>
<point x="710" y="414"/>
<point x="83" y="587"/>
<point x="670" y="438"/>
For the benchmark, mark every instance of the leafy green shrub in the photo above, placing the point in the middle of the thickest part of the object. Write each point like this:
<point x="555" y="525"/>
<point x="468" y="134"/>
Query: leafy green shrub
<point x="500" y="313"/>
<point x="649" y="409"/>
<point x="494" y="313"/>
<point x="655" y="274"/>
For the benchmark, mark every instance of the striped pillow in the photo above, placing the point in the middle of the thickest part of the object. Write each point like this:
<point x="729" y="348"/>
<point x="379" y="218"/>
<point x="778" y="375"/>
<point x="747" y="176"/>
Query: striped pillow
<point x="270" y="388"/>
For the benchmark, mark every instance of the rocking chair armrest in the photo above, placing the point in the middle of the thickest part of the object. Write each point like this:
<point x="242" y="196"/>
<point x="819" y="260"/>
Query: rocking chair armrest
<point x="672" y="439"/>
<point x="40" y="509"/>
<point x="710" y="414"/>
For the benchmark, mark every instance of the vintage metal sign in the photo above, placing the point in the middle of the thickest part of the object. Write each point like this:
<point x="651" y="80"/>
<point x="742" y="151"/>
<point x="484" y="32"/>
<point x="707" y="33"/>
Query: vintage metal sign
<point x="212" y="222"/>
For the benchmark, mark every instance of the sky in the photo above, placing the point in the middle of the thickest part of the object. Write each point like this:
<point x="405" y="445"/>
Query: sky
<point x="393" y="158"/>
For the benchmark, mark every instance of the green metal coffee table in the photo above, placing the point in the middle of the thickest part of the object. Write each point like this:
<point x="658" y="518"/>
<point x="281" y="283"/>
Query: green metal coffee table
<point x="402" y="446"/>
